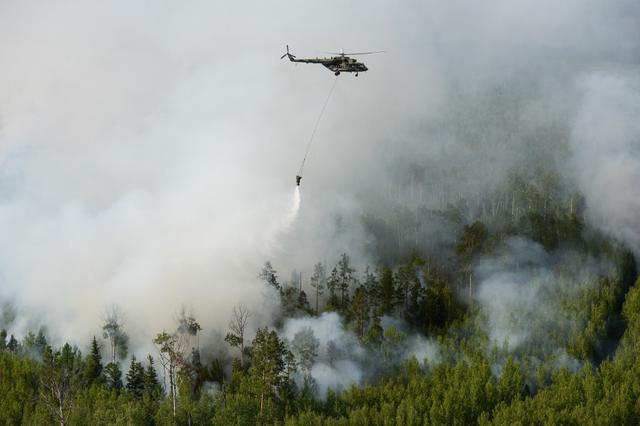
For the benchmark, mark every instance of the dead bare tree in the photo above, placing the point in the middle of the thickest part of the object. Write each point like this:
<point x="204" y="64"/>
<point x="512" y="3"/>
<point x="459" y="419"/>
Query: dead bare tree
<point x="238" y="325"/>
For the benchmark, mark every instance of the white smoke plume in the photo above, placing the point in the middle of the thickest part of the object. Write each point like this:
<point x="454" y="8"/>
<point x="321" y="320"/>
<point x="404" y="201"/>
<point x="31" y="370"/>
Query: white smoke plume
<point x="340" y="356"/>
<point x="521" y="289"/>
<point x="147" y="149"/>
<point x="605" y="147"/>
<point x="343" y="361"/>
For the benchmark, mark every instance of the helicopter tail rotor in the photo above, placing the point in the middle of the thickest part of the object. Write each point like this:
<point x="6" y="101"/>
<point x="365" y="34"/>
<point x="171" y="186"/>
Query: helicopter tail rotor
<point x="291" y="57"/>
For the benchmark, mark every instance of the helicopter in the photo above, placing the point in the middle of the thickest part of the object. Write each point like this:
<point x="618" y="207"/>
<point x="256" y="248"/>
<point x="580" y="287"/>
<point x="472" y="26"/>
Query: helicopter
<point x="337" y="64"/>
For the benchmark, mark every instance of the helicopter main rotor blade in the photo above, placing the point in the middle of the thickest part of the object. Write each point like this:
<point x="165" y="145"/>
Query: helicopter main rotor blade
<point x="355" y="53"/>
<point x="365" y="53"/>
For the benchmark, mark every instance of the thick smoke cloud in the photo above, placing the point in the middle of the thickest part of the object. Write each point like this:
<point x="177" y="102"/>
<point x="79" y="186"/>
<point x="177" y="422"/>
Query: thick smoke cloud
<point x="148" y="150"/>
<point x="523" y="290"/>
<point x="342" y="360"/>
<point x="606" y="154"/>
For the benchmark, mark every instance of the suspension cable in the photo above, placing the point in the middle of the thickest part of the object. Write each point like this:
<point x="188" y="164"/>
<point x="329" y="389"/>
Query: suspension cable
<point x="315" y="128"/>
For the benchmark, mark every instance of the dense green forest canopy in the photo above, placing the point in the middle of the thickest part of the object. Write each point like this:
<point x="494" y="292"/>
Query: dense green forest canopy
<point x="529" y="316"/>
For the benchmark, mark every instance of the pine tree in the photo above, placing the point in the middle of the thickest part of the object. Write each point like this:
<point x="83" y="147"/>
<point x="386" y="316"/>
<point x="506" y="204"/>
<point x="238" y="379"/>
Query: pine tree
<point x="269" y="276"/>
<point x="345" y="278"/>
<point x="151" y="384"/>
<point x="13" y="344"/>
<point x="374" y="336"/>
<point x="360" y="310"/>
<point x="318" y="281"/>
<point x="303" y="303"/>
<point x="3" y="339"/>
<point x="372" y="288"/>
<point x="135" y="378"/>
<point x="93" y="364"/>
<point x="113" y="376"/>
<point x="333" y="285"/>
<point x="387" y="291"/>
<point x="40" y="341"/>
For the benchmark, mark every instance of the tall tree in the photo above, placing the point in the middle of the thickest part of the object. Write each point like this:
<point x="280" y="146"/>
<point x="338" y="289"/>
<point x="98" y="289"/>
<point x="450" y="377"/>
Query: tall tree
<point x="93" y="364"/>
<point x="303" y="303"/>
<point x="408" y="279"/>
<point x="172" y="349"/>
<point x="269" y="276"/>
<point x="387" y="290"/>
<point x="360" y="310"/>
<point x="304" y="347"/>
<point x="151" y="384"/>
<point x="135" y="378"/>
<point x="59" y="381"/>
<point x="113" y="376"/>
<point x="12" y="345"/>
<point x="271" y="369"/>
<point x="318" y="281"/>
<point x="113" y="331"/>
<point x="469" y="245"/>
<point x="41" y="341"/>
<point x="3" y="339"/>
<point x="238" y="326"/>
<point x="188" y="328"/>
<point x="333" y="283"/>
<point x="345" y="278"/>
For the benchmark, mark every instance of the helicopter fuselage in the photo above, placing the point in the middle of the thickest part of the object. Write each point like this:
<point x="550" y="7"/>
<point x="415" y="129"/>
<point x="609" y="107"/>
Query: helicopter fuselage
<point x="337" y="64"/>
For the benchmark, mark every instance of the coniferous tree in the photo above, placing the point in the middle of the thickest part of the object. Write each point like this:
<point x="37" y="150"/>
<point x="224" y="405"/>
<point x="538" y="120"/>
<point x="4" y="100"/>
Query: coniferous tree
<point x="387" y="291"/>
<point x="12" y="345"/>
<point x="469" y="245"/>
<point x="151" y="384"/>
<point x="318" y="282"/>
<point x="269" y="276"/>
<point x="3" y="339"/>
<point x="113" y="376"/>
<point x="93" y="364"/>
<point x="303" y="303"/>
<point x="135" y="378"/>
<point x="372" y="288"/>
<point x="40" y="341"/>
<point x="374" y="335"/>
<point x="345" y="278"/>
<point x="333" y="283"/>
<point x="406" y="279"/>
<point x="359" y="311"/>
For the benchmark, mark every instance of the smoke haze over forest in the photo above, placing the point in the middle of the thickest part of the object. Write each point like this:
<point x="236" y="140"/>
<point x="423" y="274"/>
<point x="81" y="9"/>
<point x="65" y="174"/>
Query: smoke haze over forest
<point x="148" y="151"/>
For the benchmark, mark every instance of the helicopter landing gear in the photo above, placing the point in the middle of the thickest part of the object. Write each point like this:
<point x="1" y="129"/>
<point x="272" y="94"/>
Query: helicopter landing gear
<point x="337" y="73"/>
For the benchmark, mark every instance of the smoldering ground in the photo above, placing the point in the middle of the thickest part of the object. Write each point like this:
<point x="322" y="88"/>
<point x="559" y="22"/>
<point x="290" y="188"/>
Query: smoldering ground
<point x="340" y="359"/>
<point x="523" y="290"/>
<point x="149" y="151"/>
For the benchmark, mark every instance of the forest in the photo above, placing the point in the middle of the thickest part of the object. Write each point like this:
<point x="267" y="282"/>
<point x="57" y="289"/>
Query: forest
<point x="196" y="231"/>
<point x="528" y="316"/>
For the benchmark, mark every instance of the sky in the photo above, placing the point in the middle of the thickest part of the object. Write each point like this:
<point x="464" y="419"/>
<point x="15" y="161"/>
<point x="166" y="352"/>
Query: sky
<point x="148" y="149"/>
